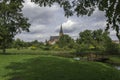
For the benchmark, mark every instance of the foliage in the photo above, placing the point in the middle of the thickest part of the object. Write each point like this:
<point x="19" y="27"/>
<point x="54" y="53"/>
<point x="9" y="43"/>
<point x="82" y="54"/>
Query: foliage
<point x="85" y="37"/>
<point x="83" y="47"/>
<point x="18" y="44"/>
<point x="46" y="48"/>
<point x="12" y="21"/>
<point x="112" y="48"/>
<point x="55" y="47"/>
<point x="65" y="41"/>
<point x="36" y="43"/>
<point x="32" y="48"/>
<point x="96" y="40"/>
<point x="63" y="3"/>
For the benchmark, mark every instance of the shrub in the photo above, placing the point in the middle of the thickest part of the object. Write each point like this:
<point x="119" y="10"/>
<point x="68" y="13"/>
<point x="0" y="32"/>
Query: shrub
<point x="112" y="48"/>
<point x="46" y="48"/>
<point x="33" y="48"/>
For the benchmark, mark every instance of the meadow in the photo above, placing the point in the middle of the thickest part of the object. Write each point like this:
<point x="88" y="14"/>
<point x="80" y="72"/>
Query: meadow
<point x="44" y="67"/>
<point x="27" y="64"/>
<point x="27" y="51"/>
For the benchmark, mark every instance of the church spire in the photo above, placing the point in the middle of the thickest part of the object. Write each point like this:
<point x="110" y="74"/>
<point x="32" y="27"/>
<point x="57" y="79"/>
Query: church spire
<point x="61" y="31"/>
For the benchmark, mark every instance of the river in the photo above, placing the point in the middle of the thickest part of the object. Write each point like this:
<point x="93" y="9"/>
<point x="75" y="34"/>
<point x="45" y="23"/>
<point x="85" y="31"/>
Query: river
<point x="118" y="67"/>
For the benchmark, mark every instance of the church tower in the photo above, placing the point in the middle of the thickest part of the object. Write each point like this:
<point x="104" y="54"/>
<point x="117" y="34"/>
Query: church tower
<point x="61" y="31"/>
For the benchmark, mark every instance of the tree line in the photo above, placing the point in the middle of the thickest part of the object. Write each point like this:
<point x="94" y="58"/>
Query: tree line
<point x="95" y="41"/>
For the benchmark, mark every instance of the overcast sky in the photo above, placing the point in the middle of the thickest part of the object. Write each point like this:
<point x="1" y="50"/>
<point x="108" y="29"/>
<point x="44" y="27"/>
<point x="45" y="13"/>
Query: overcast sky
<point x="46" y="22"/>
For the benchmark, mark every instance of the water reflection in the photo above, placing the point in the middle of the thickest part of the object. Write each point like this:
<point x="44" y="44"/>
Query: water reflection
<point x="118" y="67"/>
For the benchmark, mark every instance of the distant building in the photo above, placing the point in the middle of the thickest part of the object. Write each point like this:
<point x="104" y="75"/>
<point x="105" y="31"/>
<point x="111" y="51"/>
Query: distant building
<point x="116" y="41"/>
<point x="54" y="39"/>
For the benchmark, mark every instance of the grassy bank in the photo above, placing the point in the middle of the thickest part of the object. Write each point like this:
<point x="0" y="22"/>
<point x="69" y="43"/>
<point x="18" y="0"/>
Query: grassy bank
<point x="36" y="67"/>
<point x="114" y="60"/>
<point x="62" y="53"/>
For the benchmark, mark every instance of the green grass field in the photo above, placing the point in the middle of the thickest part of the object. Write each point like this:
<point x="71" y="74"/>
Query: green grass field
<point x="39" y="67"/>
<point x="64" y="53"/>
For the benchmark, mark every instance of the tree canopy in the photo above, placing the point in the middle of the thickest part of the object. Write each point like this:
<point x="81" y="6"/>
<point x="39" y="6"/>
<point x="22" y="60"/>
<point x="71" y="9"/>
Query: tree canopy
<point x="12" y="21"/>
<point x="96" y="39"/>
<point x="87" y="7"/>
<point x="65" y="41"/>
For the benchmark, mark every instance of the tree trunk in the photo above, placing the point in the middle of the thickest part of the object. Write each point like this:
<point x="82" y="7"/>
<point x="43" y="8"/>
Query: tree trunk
<point x="4" y="50"/>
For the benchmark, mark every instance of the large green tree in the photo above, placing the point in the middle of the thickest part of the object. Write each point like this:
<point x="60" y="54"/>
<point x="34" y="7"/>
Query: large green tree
<point x="85" y="37"/>
<point x="87" y="7"/>
<point x="65" y="41"/>
<point x="97" y="39"/>
<point x="12" y="21"/>
<point x="84" y="41"/>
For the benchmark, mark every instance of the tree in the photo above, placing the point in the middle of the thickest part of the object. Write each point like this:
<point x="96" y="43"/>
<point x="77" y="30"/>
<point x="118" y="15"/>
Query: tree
<point x="36" y="43"/>
<point x="65" y="41"/>
<point x="98" y="38"/>
<point x="18" y="43"/>
<point x="93" y="39"/>
<point x="87" y="7"/>
<point x="84" y="41"/>
<point x="111" y="47"/>
<point x="86" y="37"/>
<point x="12" y="21"/>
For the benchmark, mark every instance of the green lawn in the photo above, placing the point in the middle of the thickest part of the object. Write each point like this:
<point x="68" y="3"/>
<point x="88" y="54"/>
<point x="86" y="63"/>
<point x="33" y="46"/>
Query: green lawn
<point x="38" y="67"/>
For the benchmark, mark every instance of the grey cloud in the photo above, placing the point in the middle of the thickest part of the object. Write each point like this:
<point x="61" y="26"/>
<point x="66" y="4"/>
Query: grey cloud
<point x="69" y="26"/>
<point x="38" y="17"/>
<point x="31" y="37"/>
<point x="67" y="30"/>
<point x="44" y="22"/>
<point x="36" y="32"/>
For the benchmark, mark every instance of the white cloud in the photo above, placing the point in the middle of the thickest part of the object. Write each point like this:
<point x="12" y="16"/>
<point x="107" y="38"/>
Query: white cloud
<point x="68" y="27"/>
<point x="69" y="24"/>
<point x="29" y="4"/>
<point x="112" y="32"/>
<point x="31" y="37"/>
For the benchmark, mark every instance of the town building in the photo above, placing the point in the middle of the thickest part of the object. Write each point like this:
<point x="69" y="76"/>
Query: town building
<point x="54" y="39"/>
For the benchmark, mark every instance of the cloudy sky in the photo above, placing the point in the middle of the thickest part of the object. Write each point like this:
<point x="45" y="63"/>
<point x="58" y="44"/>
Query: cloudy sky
<point x="46" y="22"/>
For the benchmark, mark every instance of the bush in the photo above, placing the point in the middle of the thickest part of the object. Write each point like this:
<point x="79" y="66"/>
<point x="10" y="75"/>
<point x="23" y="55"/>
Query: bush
<point x="82" y="48"/>
<point x="55" y="47"/>
<point x="112" y="48"/>
<point x="33" y="48"/>
<point x="46" y="48"/>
